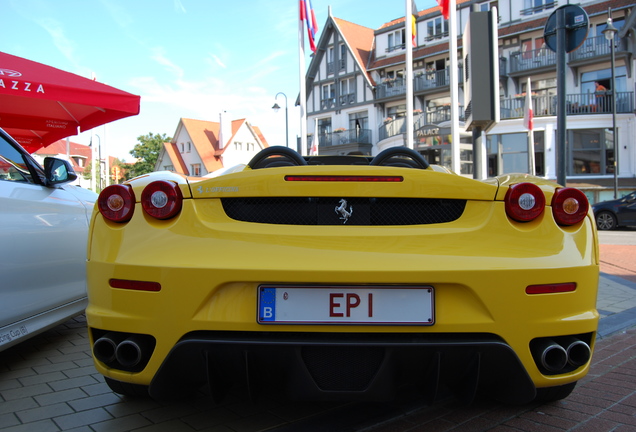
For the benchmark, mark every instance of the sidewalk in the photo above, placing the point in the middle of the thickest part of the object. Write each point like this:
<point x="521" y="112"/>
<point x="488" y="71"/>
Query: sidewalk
<point x="617" y="289"/>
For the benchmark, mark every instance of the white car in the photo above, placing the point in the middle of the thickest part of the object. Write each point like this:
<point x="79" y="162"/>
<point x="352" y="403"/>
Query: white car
<point x="43" y="234"/>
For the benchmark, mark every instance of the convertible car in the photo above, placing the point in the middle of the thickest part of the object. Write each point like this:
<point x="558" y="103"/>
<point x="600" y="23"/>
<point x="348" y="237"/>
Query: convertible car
<point x="43" y="232"/>
<point x="343" y="277"/>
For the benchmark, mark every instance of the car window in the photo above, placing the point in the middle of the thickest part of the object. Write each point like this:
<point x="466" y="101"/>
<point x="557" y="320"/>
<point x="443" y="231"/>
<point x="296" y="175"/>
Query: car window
<point x="13" y="167"/>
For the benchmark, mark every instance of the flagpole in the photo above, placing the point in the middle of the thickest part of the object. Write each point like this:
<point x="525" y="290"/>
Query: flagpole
<point x="303" y="88"/>
<point x="409" y="73"/>
<point x="454" y="88"/>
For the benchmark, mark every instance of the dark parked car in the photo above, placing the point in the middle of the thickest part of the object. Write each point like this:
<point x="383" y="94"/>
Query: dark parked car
<point x="615" y="213"/>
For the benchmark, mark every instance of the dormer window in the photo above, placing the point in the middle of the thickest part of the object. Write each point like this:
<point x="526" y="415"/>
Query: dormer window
<point x="396" y="40"/>
<point x="436" y="29"/>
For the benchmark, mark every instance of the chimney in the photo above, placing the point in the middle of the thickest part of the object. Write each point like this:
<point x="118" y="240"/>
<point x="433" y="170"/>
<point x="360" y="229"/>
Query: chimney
<point x="225" y="129"/>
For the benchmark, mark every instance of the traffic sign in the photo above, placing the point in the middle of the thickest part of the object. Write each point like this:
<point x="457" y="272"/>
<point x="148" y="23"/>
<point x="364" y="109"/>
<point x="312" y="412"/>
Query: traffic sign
<point x="577" y="25"/>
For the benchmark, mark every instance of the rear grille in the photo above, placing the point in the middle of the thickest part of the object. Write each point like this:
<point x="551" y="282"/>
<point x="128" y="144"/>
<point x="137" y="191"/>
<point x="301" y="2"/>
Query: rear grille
<point x="342" y="368"/>
<point x="357" y="211"/>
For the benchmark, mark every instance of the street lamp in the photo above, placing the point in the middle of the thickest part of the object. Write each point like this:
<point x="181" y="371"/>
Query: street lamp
<point x="609" y="32"/>
<point x="276" y="108"/>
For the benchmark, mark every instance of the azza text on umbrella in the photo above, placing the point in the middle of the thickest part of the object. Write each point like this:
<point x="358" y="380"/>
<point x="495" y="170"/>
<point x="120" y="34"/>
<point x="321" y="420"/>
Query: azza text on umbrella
<point x="40" y="104"/>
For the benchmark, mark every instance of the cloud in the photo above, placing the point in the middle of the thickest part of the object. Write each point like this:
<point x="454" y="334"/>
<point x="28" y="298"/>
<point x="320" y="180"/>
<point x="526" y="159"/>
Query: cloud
<point x="158" y="54"/>
<point x="61" y="42"/>
<point x="178" y="6"/>
<point x="118" y="13"/>
<point x="218" y="61"/>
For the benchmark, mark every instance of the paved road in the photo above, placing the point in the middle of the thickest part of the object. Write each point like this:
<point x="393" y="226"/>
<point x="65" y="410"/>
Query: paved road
<point x="49" y="383"/>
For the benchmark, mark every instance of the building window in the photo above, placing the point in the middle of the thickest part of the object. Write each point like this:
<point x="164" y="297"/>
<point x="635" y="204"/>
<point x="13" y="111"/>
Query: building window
<point x="396" y="111"/>
<point x="330" y="61"/>
<point x="531" y="7"/>
<point x="359" y="124"/>
<point x="189" y="146"/>
<point x="343" y="57"/>
<point x="195" y="170"/>
<point x="591" y="151"/>
<point x="168" y="167"/>
<point x="328" y="96"/>
<point x="509" y="153"/>
<point x="396" y="40"/>
<point x="182" y="148"/>
<point x="324" y="131"/>
<point x="436" y="29"/>
<point x="488" y="6"/>
<point x="238" y="145"/>
<point x="604" y="77"/>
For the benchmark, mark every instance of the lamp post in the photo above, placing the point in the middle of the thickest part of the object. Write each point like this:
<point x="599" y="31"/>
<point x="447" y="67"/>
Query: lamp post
<point x="276" y="108"/>
<point x="609" y="32"/>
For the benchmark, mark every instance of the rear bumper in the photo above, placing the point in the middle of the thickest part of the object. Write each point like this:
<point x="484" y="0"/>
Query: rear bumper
<point x="345" y="366"/>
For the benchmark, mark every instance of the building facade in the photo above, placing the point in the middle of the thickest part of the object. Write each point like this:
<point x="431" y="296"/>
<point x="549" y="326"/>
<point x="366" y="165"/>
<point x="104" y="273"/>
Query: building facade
<point x="356" y="93"/>
<point x="200" y="147"/>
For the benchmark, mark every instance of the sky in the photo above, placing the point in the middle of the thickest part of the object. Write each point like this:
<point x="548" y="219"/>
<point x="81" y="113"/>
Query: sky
<point x="185" y="58"/>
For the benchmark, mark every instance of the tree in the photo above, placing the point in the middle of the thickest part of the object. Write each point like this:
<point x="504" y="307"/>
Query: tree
<point x="146" y="151"/>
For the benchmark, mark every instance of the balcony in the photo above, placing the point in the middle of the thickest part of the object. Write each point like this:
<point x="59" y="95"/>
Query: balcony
<point x="423" y="83"/>
<point x="398" y="47"/>
<point x="431" y="80"/>
<point x="597" y="49"/>
<point x="576" y="104"/>
<point x="347" y="99"/>
<point x="345" y="142"/>
<point x="532" y="61"/>
<point x="433" y="116"/>
<point x="329" y="103"/>
<point x="392" y="87"/>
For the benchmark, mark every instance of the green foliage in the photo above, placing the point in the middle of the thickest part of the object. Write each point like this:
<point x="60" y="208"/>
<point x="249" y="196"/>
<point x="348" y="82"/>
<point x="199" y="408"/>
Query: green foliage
<point x="146" y="152"/>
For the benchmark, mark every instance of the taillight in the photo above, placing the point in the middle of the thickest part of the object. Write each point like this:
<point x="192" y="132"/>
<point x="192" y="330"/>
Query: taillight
<point x="551" y="288"/>
<point x="162" y="199"/>
<point x="135" y="285"/>
<point x="117" y="203"/>
<point x="524" y="202"/>
<point x="569" y="206"/>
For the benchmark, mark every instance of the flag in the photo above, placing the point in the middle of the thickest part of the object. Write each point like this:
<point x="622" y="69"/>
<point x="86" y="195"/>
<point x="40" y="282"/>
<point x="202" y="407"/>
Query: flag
<point x="445" y="7"/>
<point x="309" y="17"/>
<point x="528" y="117"/>
<point x="314" y="142"/>
<point x="414" y="22"/>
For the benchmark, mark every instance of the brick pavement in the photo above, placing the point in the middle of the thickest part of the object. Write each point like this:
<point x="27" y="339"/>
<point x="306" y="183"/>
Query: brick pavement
<point x="49" y="383"/>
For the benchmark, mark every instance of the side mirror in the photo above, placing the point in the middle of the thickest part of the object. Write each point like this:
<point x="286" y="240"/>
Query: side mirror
<point x="58" y="171"/>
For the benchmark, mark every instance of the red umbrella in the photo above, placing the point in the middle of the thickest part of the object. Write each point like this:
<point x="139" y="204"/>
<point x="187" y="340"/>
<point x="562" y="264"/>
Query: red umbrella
<point x="40" y="104"/>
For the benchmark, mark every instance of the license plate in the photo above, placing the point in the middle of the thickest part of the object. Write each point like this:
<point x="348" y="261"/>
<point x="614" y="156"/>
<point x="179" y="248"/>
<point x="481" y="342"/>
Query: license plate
<point x="346" y="305"/>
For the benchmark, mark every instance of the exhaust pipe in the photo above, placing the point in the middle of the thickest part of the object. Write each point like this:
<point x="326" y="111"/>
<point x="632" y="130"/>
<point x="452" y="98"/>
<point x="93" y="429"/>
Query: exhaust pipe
<point x="552" y="356"/>
<point x="104" y="348"/>
<point x="130" y="352"/>
<point x="578" y="352"/>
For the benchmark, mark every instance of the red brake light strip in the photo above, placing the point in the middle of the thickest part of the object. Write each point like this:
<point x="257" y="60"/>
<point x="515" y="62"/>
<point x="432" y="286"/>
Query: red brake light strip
<point x="331" y="178"/>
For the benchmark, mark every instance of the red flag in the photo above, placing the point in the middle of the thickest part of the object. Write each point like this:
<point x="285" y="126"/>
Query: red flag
<point x="307" y="15"/>
<point x="445" y="8"/>
<point x="528" y="117"/>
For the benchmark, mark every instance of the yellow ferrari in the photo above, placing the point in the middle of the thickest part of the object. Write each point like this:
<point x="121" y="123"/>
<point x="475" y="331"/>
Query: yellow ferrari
<point x="343" y="277"/>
